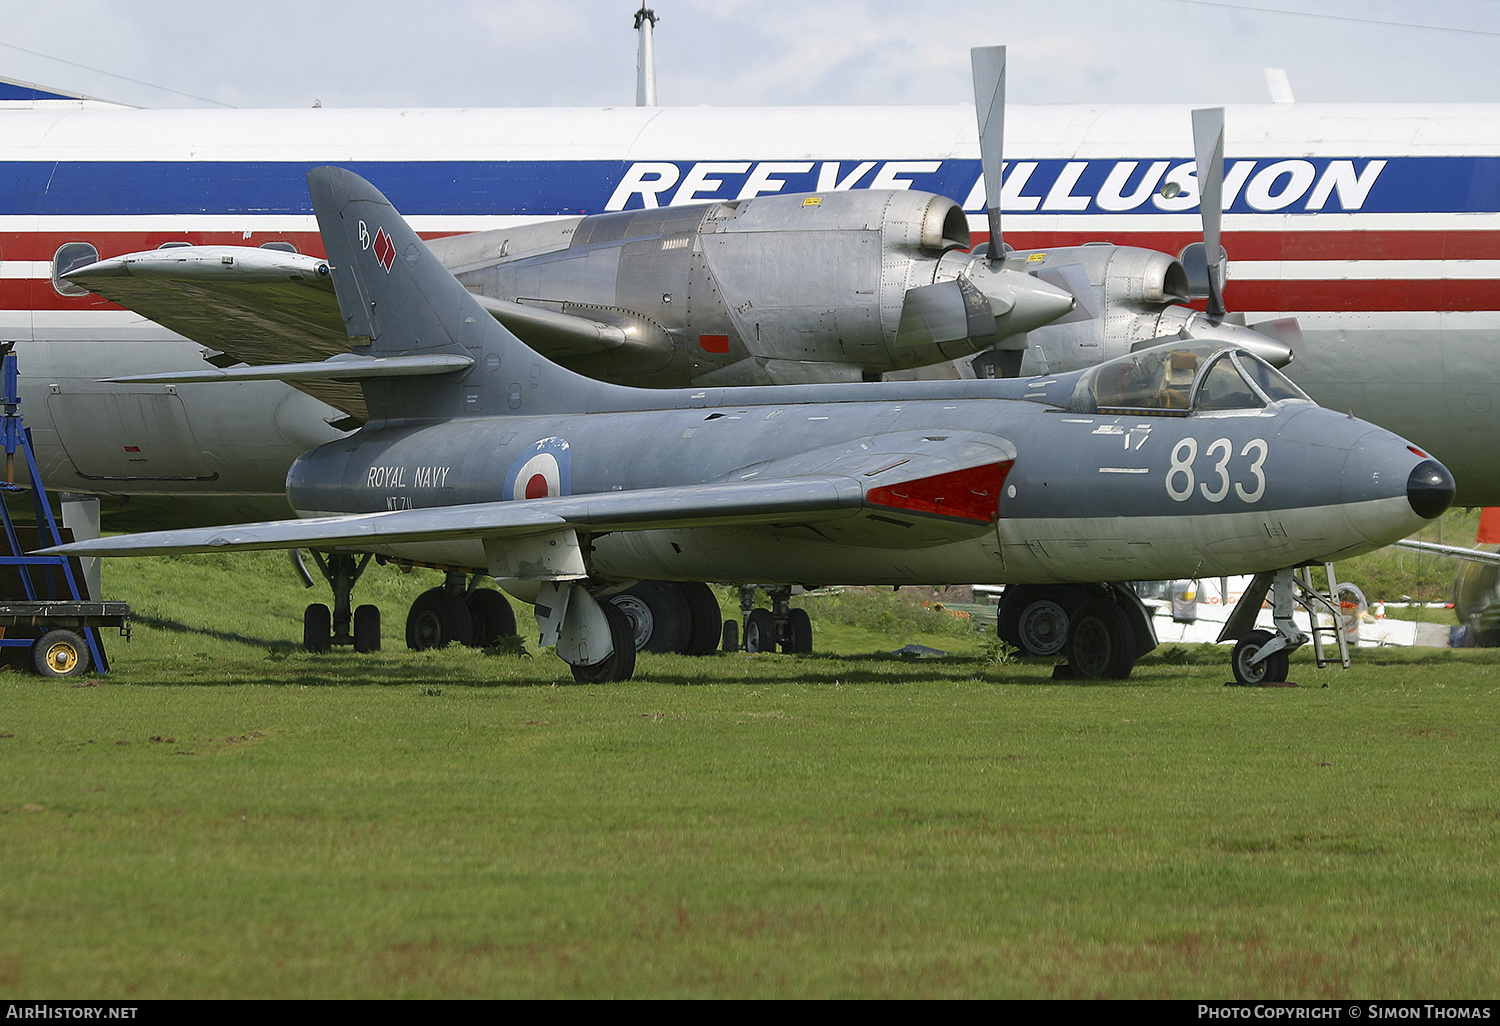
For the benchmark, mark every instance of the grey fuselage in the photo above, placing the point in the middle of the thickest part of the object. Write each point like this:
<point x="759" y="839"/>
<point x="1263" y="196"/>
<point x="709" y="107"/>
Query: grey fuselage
<point x="1089" y="496"/>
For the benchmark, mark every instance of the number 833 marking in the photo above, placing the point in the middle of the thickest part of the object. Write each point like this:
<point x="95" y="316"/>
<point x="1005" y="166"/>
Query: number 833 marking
<point x="1217" y="482"/>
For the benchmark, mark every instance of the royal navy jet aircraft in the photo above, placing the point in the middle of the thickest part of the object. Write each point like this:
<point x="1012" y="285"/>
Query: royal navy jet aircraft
<point x="482" y="456"/>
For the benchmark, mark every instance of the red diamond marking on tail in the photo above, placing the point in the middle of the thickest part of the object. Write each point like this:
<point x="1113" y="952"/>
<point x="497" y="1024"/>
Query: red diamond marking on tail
<point x="385" y="249"/>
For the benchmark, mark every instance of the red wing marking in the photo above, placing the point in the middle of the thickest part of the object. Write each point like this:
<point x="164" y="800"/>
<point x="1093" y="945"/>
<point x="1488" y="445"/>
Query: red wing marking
<point x="972" y="494"/>
<point x="714" y="343"/>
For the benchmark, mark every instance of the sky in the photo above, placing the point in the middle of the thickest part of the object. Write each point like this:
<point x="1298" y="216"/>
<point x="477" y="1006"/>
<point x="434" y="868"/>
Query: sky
<point x="466" y="53"/>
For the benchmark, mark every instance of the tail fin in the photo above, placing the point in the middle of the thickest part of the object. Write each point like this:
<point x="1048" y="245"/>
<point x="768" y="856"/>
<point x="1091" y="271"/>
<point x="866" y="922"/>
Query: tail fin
<point x="398" y="299"/>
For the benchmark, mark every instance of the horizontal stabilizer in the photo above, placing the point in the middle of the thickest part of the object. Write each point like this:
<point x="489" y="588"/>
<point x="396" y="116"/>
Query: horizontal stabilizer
<point x="269" y="308"/>
<point x="258" y="305"/>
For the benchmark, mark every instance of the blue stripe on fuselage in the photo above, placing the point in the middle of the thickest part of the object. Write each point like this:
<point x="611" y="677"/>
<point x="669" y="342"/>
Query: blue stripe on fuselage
<point x="558" y="188"/>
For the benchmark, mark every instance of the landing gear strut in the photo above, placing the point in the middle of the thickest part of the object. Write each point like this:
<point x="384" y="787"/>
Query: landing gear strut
<point x="1261" y="656"/>
<point x="781" y="625"/>
<point x="322" y="629"/>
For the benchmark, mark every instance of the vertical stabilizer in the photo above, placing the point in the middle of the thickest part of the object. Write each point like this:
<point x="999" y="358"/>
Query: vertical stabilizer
<point x="398" y="299"/>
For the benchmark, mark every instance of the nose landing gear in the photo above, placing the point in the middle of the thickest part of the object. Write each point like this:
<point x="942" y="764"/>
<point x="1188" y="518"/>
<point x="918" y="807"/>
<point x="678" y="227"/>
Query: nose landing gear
<point x="1262" y="657"/>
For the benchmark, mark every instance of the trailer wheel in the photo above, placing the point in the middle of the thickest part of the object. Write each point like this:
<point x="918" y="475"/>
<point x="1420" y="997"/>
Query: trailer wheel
<point x="60" y="653"/>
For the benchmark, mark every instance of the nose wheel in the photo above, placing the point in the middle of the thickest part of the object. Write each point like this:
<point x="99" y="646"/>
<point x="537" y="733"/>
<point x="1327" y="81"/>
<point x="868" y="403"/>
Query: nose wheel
<point x="1250" y="667"/>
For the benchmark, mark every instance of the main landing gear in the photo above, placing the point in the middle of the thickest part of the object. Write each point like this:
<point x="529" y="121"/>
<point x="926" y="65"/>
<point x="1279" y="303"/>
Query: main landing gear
<point x="650" y="616"/>
<point x="322" y="628"/>
<point x="669" y="616"/>
<point x="458" y="611"/>
<point x="1101" y="629"/>
<point x="781" y="626"/>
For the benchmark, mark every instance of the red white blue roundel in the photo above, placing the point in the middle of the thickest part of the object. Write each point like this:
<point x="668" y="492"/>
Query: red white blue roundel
<point x="544" y="469"/>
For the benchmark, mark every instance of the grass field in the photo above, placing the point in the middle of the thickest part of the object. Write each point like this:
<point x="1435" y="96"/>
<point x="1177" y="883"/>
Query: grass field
<point x="224" y="816"/>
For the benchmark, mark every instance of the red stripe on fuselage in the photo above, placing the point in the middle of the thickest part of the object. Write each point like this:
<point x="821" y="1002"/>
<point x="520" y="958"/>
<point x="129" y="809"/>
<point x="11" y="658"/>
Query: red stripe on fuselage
<point x="1297" y="296"/>
<point x="1286" y="295"/>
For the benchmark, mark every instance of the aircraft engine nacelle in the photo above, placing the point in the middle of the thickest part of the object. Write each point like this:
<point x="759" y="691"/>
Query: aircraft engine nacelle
<point x="774" y="289"/>
<point x="1124" y="294"/>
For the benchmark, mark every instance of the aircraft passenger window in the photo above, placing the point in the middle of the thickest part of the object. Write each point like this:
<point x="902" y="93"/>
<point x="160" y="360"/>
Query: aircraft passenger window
<point x="1223" y="388"/>
<point x="70" y="256"/>
<point x="280" y="247"/>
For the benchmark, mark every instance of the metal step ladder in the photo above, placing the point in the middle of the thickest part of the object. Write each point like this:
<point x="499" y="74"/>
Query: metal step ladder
<point x="53" y="598"/>
<point x="1320" y="604"/>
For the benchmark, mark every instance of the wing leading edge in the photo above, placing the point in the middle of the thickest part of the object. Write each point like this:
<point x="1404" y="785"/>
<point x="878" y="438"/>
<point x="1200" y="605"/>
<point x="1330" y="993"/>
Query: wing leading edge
<point x="764" y="502"/>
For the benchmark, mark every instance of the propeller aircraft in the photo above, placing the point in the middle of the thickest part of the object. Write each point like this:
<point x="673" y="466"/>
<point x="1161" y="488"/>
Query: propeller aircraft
<point x="836" y="285"/>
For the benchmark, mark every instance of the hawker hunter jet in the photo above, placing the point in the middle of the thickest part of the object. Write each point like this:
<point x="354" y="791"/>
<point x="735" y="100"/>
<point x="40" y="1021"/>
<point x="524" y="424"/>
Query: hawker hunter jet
<point x="480" y="456"/>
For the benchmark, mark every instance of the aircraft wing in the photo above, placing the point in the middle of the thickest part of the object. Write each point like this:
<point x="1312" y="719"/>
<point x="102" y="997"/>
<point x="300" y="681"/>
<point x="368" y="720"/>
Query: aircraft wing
<point x="1456" y="551"/>
<point x="261" y="306"/>
<point x="763" y="502"/>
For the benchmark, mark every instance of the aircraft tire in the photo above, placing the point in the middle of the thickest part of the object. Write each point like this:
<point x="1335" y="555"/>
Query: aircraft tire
<point x="1034" y="618"/>
<point x="731" y="636"/>
<point x="1100" y="643"/>
<point x="760" y="631"/>
<point x="491" y="616"/>
<point x="799" y="632"/>
<point x="437" y="619"/>
<point x="317" y="628"/>
<point x="619" y="665"/>
<point x="704" y="618"/>
<point x="367" y="628"/>
<point x="1273" y="668"/>
<point x="1043" y="627"/>
<point x="660" y="620"/>
<point x="60" y="653"/>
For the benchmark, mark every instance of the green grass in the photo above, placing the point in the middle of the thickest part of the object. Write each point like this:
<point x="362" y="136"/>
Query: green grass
<point x="1392" y="572"/>
<point x="224" y="816"/>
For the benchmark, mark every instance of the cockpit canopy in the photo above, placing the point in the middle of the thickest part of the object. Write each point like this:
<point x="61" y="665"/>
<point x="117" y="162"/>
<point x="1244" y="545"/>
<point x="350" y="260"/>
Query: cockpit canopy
<point x="1181" y="378"/>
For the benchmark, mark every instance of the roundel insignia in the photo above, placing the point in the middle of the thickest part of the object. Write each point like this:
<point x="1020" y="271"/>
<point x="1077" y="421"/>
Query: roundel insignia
<point x="544" y="469"/>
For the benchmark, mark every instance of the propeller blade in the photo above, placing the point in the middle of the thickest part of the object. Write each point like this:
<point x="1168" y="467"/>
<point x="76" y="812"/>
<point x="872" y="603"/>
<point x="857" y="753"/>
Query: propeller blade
<point x="989" y="108"/>
<point x="1208" y="149"/>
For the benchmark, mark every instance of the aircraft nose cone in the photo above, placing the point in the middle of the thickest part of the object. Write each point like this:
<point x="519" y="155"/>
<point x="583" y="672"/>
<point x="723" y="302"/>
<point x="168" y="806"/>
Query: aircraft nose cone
<point x="1429" y="489"/>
